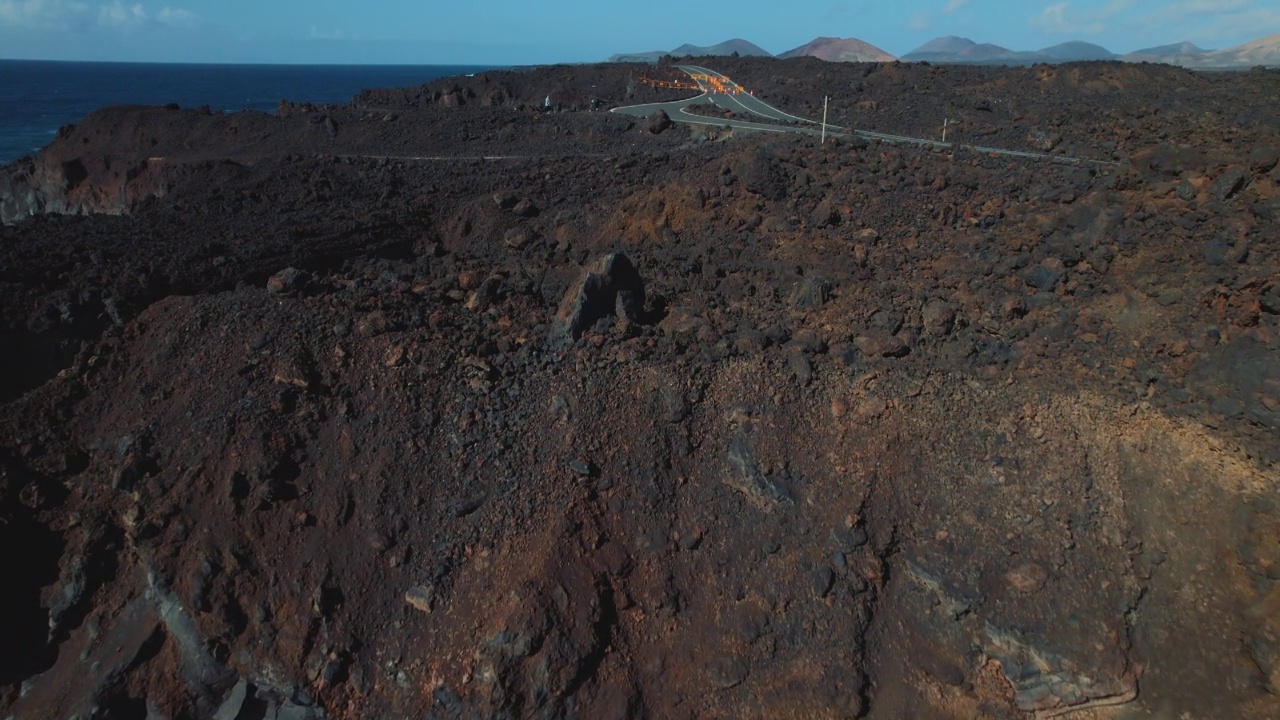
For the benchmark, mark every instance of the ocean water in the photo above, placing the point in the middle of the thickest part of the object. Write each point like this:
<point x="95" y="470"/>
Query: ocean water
<point x="36" y="97"/>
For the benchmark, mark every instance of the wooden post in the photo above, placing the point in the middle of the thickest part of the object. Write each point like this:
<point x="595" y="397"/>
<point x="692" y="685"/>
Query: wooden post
<point x="944" y="128"/>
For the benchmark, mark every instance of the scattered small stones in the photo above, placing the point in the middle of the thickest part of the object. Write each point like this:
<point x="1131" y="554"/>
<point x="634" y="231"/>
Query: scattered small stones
<point x="727" y="671"/>
<point x="465" y="506"/>
<point x="839" y="407"/>
<point x="1046" y="275"/>
<point x="526" y="208"/>
<point x="811" y="293"/>
<point x="1263" y="159"/>
<point x="1027" y="577"/>
<point x="290" y="281"/>
<point x="394" y="356"/>
<point x="1270" y="302"/>
<point x="1228" y="184"/>
<point x="879" y="343"/>
<point x="800" y="367"/>
<point x="748" y="479"/>
<point x="489" y="292"/>
<point x="870" y="408"/>
<point x="421" y="597"/>
<point x="374" y="323"/>
<point x="823" y="580"/>
<point x="938" y="318"/>
<point x="750" y="341"/>
<point x="1013" y="308"/>
<point x="517" y="237"/>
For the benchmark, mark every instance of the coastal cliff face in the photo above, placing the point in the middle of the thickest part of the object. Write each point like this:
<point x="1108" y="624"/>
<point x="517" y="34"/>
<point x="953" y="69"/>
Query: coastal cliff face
<point x="123" y="156"/>
<point x="419" y="408"/>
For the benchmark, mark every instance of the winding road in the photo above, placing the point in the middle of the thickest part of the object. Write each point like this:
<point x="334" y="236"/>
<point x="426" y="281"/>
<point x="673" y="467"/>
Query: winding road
<point x="720" y="91"/>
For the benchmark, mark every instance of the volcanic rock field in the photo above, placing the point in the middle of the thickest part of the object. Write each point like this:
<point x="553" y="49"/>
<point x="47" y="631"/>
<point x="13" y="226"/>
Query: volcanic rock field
<point x="438" y="405"/>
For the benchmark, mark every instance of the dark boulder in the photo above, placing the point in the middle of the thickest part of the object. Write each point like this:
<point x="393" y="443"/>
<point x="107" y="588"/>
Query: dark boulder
<point x="290" y="281"/>
<point x="938" y="318"/>
<point x="1228" y="184"/>
<point x="1172" y="161"/>
<point x="610" y="287"/>
<point x="659" y="122"/>
<point x="876" y="342"/>
<point x="825" y="215"/>
<point x="764" y="175"/>
<point x="1263" y="159"/>
<point x="811" y="293"/>
<point x="1046" y="275"/>
<point x="526" y="208"/>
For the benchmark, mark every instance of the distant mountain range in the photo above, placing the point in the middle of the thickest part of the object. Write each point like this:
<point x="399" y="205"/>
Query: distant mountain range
<point x="724" y="49"/>
<point x="1153" y="54"/>
<point x="953" y="49"/>
<point x="965" y="51"/>
<point x="958" y="50"/>
<point x="1265" y="51"/>
<point x="839" y="50"/>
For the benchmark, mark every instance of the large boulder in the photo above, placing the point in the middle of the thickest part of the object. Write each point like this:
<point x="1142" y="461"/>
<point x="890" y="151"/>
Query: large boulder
<point x="764" y="175"/>
<point x="609" y="286"/>
<point x="1263" y="159"/>
<point x="659" y="122"/>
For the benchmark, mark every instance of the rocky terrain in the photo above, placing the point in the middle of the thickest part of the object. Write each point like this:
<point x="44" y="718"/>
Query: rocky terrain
<point x="439" y="405"/>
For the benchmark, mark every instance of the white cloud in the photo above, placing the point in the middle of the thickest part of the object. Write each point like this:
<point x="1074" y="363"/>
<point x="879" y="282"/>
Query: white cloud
<point x="924" y="19"/>
<point x="40" y="13"/>
<point x="920" y="20"/>
<point x="1214" y="21"/>
<point x="1061" y="19"/>
<point x="117" y="14"/>
<point x="65" y="14"/>
<point x="1182" y="9"/>
<point x="177" y="17"/>
<point x="16" y="13"/>
<point x="1054" y="19"/>
<point x="1248" y="24"/>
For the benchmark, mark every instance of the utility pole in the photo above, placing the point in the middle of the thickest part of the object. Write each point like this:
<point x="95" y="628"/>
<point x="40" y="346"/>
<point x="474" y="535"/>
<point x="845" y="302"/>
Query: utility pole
<point x="824" y="120"/>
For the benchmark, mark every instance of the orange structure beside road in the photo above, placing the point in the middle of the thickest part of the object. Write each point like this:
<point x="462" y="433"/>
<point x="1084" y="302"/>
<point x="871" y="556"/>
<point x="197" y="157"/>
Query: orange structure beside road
<point x="696" y="81"/>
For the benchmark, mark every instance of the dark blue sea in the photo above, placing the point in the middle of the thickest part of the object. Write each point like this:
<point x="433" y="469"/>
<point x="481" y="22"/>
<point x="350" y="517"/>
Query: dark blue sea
<point x="36" y="98"/>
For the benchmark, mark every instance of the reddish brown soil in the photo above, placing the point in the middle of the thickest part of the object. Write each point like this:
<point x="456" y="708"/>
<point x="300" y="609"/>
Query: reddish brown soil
<point x="325" y="414"/>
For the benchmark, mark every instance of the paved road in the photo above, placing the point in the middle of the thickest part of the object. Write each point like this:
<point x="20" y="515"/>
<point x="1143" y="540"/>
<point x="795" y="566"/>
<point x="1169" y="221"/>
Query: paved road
<point x="740" y="101"/>
<point x="677" y="111"/>
<point x="737" y="99"/>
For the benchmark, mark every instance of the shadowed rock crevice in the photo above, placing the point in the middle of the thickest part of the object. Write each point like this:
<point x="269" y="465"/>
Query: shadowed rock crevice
<point x="24" y="622"/>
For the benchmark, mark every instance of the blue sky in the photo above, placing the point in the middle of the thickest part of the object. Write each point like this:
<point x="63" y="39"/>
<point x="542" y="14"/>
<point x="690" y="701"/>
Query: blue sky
<point x="546" y="31"/>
